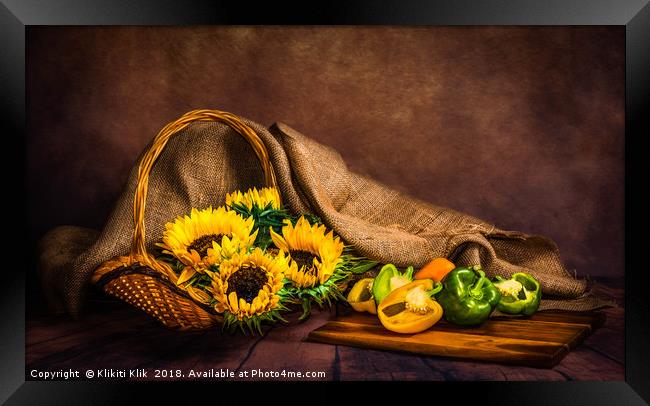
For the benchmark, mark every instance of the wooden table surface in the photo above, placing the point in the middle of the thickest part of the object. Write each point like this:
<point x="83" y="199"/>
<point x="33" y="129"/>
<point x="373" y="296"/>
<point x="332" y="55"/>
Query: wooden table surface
<point x="112" y="335"/>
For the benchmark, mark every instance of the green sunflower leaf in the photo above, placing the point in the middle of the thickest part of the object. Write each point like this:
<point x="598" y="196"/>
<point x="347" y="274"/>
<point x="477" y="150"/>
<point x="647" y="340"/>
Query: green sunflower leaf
<point x="362" y="266"/>
<point x="306" y="310"/>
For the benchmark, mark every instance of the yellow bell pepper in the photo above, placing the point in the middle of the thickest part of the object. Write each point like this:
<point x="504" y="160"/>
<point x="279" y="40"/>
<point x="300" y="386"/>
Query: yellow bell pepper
<point x="410" y="309"/>
<point x="360" y="296"/>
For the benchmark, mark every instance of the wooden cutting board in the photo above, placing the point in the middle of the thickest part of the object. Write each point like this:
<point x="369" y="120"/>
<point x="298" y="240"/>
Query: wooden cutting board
<point x="541" y="340"/>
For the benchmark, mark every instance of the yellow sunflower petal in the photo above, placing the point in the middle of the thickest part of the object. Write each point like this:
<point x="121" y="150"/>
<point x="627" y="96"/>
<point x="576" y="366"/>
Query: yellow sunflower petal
<point x="279" y="241"/>
<point x="244" y="306"/>
<point x="198" y="295"/>
<point x="187" y="273"/>
<point x="232" y="300"/>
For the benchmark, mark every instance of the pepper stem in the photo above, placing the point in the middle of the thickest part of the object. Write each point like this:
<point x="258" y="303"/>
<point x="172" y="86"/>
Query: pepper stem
<point x="409" y="272"/>
<point x="435" y="289"/>
<point x="476" y="291"/>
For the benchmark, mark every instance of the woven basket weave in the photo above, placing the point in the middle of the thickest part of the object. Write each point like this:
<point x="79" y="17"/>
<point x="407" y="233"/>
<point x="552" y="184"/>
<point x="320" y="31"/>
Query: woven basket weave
<point x="141" y="280"/>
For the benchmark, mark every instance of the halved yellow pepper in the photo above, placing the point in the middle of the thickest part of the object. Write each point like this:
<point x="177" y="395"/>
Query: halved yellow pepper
<point x="360" y="296"/>
<point x="410" y="309"/>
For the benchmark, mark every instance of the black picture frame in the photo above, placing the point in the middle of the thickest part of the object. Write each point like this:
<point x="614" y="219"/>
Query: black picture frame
<point x="17" y="15"/>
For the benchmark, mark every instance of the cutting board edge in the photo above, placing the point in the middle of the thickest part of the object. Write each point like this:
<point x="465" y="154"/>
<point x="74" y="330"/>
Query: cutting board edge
<point x="546" y="362"/>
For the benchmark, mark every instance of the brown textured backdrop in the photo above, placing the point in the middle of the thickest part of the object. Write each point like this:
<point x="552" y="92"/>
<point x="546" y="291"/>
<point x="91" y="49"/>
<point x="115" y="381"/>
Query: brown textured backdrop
<point x="520" y="126"/>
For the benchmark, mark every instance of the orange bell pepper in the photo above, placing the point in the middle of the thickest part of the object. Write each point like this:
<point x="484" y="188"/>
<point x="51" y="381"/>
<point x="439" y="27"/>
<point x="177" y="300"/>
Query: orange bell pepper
<point x="435" y="270"/>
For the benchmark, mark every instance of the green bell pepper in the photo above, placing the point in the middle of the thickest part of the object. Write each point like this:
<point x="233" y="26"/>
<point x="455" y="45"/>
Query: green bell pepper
<point x="520" y="294"/>
<point x="468" y="297"/>
<point x="388" y="279"/>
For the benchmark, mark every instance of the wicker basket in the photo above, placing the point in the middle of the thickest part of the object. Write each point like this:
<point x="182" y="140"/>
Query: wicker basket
<point x="150" y="285"/>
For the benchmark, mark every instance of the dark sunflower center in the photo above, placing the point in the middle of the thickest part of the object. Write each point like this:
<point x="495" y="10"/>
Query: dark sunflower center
<point x="303" y="258"/>
<point x="272" y="251"/>
<point x="247" y="282"/>
<point x="202" y="244"/>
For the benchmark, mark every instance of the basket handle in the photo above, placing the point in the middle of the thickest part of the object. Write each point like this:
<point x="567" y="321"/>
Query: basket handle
<point x="138" y="249"/>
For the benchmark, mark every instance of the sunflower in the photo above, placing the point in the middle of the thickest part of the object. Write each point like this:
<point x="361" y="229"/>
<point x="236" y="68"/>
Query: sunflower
<point x="317" y="263"/>
<point x="263" y="206"/>
<point x="206" y="237"/>
<point x="246" y="288"/>
<point x="267" y="197"/>
<point x="314" y="253"/>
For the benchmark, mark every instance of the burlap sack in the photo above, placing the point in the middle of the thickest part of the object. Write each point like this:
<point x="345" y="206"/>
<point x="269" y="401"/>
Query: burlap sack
<point x="207" y="160"/>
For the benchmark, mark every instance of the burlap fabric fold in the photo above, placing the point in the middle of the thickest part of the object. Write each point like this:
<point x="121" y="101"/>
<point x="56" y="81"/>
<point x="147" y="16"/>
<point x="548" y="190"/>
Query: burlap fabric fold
<point x="207" y="160"/>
